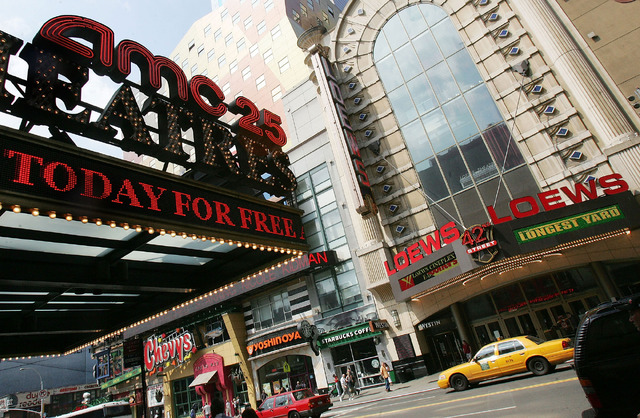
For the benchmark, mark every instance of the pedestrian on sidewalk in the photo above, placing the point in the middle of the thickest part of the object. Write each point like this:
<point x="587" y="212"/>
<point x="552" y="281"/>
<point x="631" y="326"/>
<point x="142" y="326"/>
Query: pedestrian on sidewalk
<point x="384" y="373"/>
<point x="345" y="386"/>
<point x="466" y="349"/>
<point x="338" y="385"/>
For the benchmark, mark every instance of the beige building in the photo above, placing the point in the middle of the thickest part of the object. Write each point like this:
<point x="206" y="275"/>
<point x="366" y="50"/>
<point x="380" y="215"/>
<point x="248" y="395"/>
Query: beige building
<point x="460" y="108"/>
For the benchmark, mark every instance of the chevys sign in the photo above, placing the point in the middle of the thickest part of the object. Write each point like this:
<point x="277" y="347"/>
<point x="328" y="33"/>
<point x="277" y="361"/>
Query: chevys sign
<point x="248" y="150"/>
<point x="168" y="349"/>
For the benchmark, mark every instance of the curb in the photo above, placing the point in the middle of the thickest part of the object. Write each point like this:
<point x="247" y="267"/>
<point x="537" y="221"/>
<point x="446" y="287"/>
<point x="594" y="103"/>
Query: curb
<point x="343" y="405"/>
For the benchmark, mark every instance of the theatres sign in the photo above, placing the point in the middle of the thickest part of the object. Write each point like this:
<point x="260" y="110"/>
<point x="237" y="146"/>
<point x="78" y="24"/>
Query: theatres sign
<point x="67" y="47"/>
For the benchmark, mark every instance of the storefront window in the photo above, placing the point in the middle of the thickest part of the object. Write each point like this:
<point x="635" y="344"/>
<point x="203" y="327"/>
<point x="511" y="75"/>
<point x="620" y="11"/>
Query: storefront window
<point x="240" y="389"/>
<point x="625" y="276"/>
<point x="271" y="310"/>
<point x="284" y="373"/>
<point x="508" y="298"/>
<point x="216" y="331"/>
<point x="576" y="280"/>
<point x="479" y="307"/>
<point x="540" y="289"/>
<point x="184" y="397"/>
<point x="361" y="358"/>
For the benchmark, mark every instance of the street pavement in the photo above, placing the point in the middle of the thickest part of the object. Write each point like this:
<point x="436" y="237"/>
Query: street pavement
<point x="377" y="393"/>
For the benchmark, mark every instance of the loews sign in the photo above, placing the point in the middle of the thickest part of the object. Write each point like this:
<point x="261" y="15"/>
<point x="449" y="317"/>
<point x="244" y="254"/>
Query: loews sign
<point x="59" y="59"/>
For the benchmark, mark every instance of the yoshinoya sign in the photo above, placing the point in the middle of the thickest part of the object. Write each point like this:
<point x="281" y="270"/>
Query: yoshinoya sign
<point x="59" y="59"/>
<point x="285" y="338"/>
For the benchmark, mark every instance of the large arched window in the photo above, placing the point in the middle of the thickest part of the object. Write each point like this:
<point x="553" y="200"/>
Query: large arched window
<point x="453" y="130"/>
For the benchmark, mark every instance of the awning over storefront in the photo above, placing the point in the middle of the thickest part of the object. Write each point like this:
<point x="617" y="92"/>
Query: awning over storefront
<point x="203" y="379"/>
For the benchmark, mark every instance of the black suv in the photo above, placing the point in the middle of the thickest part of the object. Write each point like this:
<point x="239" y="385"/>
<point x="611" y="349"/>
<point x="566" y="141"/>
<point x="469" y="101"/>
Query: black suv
<point x="607" y="359"/>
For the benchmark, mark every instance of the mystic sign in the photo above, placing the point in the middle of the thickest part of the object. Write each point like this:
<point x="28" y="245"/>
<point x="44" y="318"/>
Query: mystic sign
<point x="58" y="67"/>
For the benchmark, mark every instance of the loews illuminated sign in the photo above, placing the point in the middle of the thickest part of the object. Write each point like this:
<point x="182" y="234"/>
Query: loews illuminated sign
<point x="249" y="149"/>
<point x="349" y="138"/>
<point x="168" y="349"/>
<point x="526" y="206"/>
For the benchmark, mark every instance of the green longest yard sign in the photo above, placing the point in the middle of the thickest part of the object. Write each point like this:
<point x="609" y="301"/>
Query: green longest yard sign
<point x="570" y="223"/>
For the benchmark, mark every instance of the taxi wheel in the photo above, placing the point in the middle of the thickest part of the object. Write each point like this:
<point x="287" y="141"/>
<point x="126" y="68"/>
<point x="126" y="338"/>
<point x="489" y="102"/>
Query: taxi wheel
<point x="539" y="366"/>
<point x="459" y="382"/>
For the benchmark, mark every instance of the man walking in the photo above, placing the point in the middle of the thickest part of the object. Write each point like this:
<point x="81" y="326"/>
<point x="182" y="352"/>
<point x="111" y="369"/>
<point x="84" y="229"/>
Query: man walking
<point x="384" y="373"/>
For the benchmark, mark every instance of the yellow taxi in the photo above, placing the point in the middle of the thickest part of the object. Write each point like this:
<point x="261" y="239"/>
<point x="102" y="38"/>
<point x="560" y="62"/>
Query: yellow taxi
<point x="506" y="357"/>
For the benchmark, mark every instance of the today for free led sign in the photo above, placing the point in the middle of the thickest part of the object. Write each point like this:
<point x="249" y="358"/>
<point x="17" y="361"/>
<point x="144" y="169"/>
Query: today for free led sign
<point x="58" y="68"/>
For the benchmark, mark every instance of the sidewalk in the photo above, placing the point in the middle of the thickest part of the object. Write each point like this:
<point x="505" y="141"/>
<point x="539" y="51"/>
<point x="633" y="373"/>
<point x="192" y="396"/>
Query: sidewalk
<point x="374" y="394"/>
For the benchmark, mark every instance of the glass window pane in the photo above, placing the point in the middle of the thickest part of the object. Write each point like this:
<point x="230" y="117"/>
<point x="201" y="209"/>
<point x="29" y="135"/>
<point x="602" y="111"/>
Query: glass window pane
<point x="395" y="33"/>
<point x="427" y="50"/>
<point x="464" y="70"/>
<point x="453" y="169"/>
<point x="327" y="294"/>
<point x="433" y="14"/>
<point x="432" y="180"/>
<point x="438" y="130"/>
<point x="503" y="147"/>
<point x="422" y="94"/>
<point x="325" y="198"/>
<point x="408" y="61"/>
<point x="413" y="21"/>
<point x="381" y="48"/>
<point x="320" y="176"/>
<point x="402" y="105"/>
<point x="416" y="140"/>
<point x="483" y="107"/>
<point x="334" y="232"/>
<point x="443" y="82"/>
<point x="447" y="37"/>
<point x="331" y="218"/>
<point x="328" y="208"/>
<point x="478" y="159"/>
<point x="315" y="240"/>
<point x="460" y="120"/>
<point x="389" y="73"/>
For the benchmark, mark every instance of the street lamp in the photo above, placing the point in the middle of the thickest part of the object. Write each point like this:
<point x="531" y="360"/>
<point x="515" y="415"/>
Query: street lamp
<point x="41" y="394"/>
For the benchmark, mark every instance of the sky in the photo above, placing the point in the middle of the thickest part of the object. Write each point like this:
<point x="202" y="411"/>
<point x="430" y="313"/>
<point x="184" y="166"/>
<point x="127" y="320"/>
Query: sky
<point x="159" y="25"/>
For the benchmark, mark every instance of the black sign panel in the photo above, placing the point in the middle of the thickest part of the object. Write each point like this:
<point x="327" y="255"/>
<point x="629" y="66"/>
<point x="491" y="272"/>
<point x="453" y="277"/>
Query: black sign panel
<point x="132" y="352"/>
<point x="53" y="176"/>
<point x="569" y="223"/>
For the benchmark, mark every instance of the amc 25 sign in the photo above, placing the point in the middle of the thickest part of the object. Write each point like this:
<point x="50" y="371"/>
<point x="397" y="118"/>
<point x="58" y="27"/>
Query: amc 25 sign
<point x="249" y="150"/>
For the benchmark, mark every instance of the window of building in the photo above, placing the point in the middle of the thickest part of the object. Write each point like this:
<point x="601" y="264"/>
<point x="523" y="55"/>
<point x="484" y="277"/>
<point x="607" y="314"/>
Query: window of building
<point x="275" y="32"/>
<point x="260" y="82"/>
<point x="453" y="130"/>
<point x="176" y="59"/>
<point x="338" y="289"/>
<point x="253" y="50"/>
<point x="268" y="5"/>
<point x="228" y="39"/>
<point x="267" y="56"/>
<point x="296" y="16"/>
<point x="325" y="17"/>
<point x="184" y="396"/>
<point x="194" y="69"/>
<point x="221" y="60"/>
<point x="303" y="9"/>
<point x="185" y="63"/>
<point x="233" y="66"/>
<point x="248" y="22"/>
<point x="241" y="44"/>
<point x="215" y="78"/>
<point x="330" y="10"/>
<point x="211" y="54"/>
<point x="238" y="94"/>
<point x="192" y="44"/>
<point x="218" y="34"/>
<point x="246" y="72"/>
<point x="236" y="18"/>
<point x="271" y="310"/>
<point x="205" y="72"/>
<point x="310" y="4"/>
<point x="276" y="94"/>
<point x="224" y="13"/>
<point x="283" y="64"/>
<point x="216" y="332"/>
<point x="254" y="3"/>
<point x="226" y="89"/>
<point x="207" y="30"/>
<point x="200" y="49"/>
<point x="262" y="26"/>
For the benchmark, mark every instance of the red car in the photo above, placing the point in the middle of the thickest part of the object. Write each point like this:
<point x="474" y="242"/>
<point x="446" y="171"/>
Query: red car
<point x="294" y="404"/>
